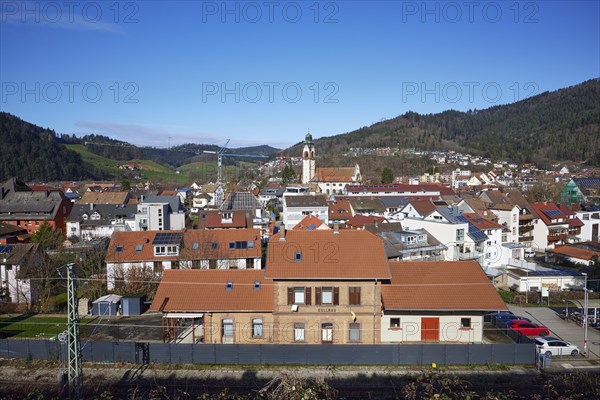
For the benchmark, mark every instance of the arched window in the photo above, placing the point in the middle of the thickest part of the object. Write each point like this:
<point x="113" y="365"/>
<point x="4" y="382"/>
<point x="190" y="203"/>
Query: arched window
<point x="257" y="327"/>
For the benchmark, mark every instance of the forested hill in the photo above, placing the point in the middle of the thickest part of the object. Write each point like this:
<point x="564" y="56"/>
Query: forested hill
<point x="552" y="126"/>
<point x="30" y="152"/>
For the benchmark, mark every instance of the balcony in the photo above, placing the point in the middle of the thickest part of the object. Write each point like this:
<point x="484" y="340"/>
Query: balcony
<point x="525" y="229"/>
<point x="557" y="238"/>
<point x="525" y="238"/>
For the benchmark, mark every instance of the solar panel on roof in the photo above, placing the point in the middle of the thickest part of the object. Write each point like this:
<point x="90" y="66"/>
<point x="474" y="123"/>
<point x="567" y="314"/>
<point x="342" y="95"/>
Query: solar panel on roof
<point x="167" y="238"/>
<point x="476" y="234"/>
<point x="5" y="249"/>
<point x="552" y="213"/>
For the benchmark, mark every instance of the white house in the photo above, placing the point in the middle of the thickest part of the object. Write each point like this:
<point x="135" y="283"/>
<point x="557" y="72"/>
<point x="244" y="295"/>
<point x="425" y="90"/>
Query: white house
<point x="295" y="208"/>
<point x="155" y="251"/>
<point x="17" y="264"/>
<point x="590" y="216"/>
<point x="437" y="302"/>
<point x="157" y="213"/>
<point x="89" y="221"/>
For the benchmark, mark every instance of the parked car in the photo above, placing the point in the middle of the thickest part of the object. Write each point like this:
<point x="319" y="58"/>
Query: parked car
<point x="529" y="253"/>
<point x="528" y="328"/>
<point x="552" y="346"/>
<point x="508" y="318"/>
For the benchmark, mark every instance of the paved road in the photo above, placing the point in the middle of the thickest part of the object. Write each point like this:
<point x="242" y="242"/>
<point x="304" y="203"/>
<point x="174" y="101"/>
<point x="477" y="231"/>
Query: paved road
<point x="566" y="330"/>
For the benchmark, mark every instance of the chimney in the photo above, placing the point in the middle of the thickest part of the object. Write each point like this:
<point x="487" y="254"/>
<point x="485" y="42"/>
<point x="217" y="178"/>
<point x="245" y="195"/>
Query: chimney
<point x="336" y="228"/>
<point x="91" y="206"/>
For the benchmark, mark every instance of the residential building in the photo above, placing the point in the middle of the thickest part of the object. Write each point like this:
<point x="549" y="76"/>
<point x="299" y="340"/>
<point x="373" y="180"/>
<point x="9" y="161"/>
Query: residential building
<point x="405" y="245"/>
<point x="506" y="211"/>
<point x="105" y="197"/>
<point x="437" y="302"/>
<point x="525" y="280"/>
<point x="219" y="306"/>
<point x="528" y="217"/>
<point x="22" y="207"/>
<point x="581" y="253"/>
<point x="88" y="221"/>
<point x="19" y="263"/>
<point x="156" y="251"/>
<point x="158" y="213"/>
<point x="366" y="206"/>
<point x="327" y="285"/>
<point x="553" y="228"/>
<point x="296" y="207"/>
<point x="214" y="219"/>
<point x="339" y="212"/>
<point x="575" y="224"/>
<point x="590" y="217"/>
<point x="10" y="234"/>
<point x="420" y="190"/>
<point x="359" y="221"/>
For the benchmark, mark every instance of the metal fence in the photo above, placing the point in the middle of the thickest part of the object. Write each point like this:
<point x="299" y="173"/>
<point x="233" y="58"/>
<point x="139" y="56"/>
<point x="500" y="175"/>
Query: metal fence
<point x="281" y="354"/>
<point x="503" y="326"/>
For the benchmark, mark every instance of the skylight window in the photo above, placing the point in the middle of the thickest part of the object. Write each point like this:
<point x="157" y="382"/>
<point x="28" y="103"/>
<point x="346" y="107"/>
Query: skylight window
<point x="229" y="285"/>
<point x="256" y="285"/>
<point x="119" y="248"/>
<point x="139" y="247"/>
<point x="298" y="256"/>
<point x="195" y="246"/>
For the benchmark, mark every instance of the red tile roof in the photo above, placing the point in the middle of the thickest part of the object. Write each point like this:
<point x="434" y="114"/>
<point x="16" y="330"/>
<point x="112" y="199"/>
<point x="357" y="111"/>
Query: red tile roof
<point x="575" y="252"/>
<point x="129" y="241"/>
<point x="324" y="254"/>
<point x="309" y="223"/>
<point x="446" y="285"/>
<point x="212" y="219"/>
<point x="359" y="221"/>
<point x="340" y="209"/>
<point x="334" y="174"/>
<point x="542" y="210"/>
<point x="197" y="290"/>
<point x="423" y="207"/>
<point x="480" y="222"/>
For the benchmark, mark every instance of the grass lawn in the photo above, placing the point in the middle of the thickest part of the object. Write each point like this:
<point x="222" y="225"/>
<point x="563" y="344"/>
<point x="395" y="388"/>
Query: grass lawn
<point x="34" y="326"/>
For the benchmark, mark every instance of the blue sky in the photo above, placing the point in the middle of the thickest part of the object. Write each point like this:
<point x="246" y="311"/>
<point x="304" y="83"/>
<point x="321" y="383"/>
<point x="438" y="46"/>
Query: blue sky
<point x="165" y="73"/>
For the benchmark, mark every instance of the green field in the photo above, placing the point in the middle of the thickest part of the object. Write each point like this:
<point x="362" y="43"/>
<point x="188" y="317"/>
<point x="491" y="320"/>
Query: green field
<point x="201" y="172"/>
<point x="34" y="326"/>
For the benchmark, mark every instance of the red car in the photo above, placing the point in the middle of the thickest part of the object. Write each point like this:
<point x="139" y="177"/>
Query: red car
<point x="528" y="328"/>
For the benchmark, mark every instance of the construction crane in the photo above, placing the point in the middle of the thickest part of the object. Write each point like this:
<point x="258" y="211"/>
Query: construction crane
<point x="220" y="154"/>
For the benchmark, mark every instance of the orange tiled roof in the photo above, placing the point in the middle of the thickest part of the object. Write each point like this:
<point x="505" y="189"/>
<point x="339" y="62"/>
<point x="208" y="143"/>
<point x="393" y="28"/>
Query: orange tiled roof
<point x="340" y="209"/>
<point x="359" y="220"/>
<point x="334" y="174"/>
<point x="575" y="252"/>
<point x="324" y="254"/>
<point x="213" y="219"/>
<point x="129" y="241"/>
<point x="423" y="207"/>
<point x="481" y="222"/>
<point x="309" y="223"/>
<point x="195" y="290"/>
<point x="434" y="285"/>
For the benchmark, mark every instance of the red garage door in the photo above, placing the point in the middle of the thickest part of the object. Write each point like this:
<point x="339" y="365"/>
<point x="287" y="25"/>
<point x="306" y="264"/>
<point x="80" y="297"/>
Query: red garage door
<point x="430" y="329"/>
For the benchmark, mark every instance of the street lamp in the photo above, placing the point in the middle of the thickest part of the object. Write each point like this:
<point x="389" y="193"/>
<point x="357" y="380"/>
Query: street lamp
<point x="585" y="315"/>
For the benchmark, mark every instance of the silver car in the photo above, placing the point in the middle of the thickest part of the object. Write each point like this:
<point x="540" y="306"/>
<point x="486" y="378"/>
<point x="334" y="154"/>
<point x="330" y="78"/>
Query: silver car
<point x="551" y="346"/>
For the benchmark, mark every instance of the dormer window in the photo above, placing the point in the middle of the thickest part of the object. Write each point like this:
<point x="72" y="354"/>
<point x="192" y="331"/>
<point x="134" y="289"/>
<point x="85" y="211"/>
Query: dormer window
<point x="166" y="250"/>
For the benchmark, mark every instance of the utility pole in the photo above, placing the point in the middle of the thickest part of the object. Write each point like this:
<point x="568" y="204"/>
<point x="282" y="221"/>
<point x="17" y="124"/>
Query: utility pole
<point x="74" y="372"/>
<point x="585" y="316"/>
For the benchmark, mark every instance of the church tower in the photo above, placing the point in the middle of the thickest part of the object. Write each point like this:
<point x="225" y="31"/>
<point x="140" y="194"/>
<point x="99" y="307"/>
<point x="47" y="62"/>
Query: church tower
<point x="308" y="159"/>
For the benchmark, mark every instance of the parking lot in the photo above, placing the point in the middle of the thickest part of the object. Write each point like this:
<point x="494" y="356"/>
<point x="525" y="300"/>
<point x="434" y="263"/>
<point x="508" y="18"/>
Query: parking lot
<point x="563" y="329"/>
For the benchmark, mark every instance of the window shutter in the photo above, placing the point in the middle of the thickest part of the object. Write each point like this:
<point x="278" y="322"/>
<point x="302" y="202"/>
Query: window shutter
<point x="318" y="296"/>
<point x="336" y="296"/>
<point x="357" y="295"/>
<point x="307" y="296"/>
<point x="290" y="296"/>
